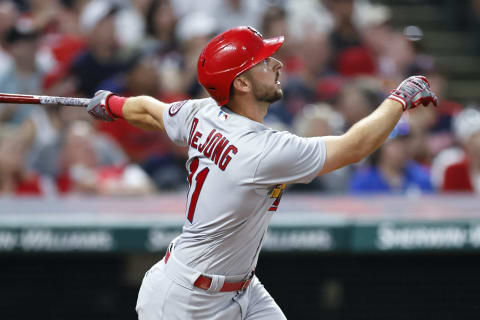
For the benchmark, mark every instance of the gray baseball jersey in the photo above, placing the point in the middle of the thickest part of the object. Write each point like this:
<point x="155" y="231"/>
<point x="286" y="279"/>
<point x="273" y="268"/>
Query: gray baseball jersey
<point x="237" y="170"/>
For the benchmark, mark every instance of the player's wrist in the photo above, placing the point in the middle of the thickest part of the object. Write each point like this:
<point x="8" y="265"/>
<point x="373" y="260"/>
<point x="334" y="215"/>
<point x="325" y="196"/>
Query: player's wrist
<point x="397" y="96"/>
<point x="114" y="105"/>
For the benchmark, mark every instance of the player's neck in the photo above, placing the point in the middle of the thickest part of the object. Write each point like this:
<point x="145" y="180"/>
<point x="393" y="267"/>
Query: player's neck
<point x="252" y="110"/>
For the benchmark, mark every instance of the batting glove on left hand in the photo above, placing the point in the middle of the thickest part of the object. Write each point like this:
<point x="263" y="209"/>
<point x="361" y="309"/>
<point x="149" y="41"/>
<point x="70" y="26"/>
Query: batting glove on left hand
<point x="98" y="106"/>
<point x="412" y="92"/>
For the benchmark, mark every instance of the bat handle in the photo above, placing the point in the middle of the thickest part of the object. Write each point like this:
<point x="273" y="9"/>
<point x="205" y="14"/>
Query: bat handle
<point x="33" y="99"/>
<point x="64" y="101"/>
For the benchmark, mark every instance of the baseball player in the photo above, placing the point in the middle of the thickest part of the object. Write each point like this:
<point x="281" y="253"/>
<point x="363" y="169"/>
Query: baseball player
<point x="237" y="171"/>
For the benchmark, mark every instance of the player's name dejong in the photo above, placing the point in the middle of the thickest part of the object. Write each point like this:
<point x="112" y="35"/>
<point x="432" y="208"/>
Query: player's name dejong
<point x="54" y="240"/>
<point x="216" y="147"/>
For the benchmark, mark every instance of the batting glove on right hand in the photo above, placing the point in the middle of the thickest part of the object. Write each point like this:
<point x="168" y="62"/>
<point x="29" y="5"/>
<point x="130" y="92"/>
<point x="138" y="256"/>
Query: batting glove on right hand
<point x="98" y="106"/>
<point x="412" y="92"/>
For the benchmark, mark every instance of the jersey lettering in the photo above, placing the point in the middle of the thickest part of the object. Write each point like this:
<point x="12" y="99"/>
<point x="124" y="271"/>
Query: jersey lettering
<point x="202" y="146"/>
<point x="196" y="136"/>
<point x="215" y="146"/>
<point x="209" y="148"/>
<point x="219" y="149"/>
<point x="226" y="158"/>
<point x="192" y="130"/>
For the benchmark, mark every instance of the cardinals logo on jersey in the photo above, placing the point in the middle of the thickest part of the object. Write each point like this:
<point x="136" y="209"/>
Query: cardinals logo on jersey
<point x="277" y="193"/>
<point x="175" y="107"/>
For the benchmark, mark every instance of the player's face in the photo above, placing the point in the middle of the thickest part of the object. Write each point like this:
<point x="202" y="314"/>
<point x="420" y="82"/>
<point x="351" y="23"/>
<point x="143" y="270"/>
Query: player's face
<point x="265" y="80"/>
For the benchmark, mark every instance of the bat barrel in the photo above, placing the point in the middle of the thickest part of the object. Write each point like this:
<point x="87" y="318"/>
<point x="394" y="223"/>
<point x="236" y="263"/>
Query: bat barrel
<point x="18" y="98"/>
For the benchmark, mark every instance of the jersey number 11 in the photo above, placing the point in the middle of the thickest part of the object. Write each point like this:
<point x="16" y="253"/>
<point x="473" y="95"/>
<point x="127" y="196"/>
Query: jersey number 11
<point x="199" y="180"/>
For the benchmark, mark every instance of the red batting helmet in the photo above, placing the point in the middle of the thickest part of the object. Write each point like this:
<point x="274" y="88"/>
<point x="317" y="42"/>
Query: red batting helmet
<point x="229" y="54"/>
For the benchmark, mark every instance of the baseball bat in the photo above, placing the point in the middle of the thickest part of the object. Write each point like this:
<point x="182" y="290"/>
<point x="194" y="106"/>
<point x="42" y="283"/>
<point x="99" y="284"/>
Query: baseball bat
<point x="33" y="99"/>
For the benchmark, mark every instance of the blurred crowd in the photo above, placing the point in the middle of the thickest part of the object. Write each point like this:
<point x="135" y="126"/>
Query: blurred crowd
<point x="341" y="59"/>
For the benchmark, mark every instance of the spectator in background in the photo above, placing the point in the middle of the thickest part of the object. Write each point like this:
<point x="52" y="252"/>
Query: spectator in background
<point x="43" y="135"/>
<point x="25" y="74"/>
<point x="61" y="43"/>
<point x="228" y="13"/>
<point x="167" y="171"/>
<point x="357" y="99"/>
<point x="101" y="60"/>
<point x="275" y="24"/>
<point x="443" y="145"/>
<point x="441" y="127"/>
<point x="140" y="77"/>
<point x="15" y="178"/>
<point x="340" y="20"/>
<point x="308" y="15"/>
<point x="392" y="54"/>
<point x="130" y="22"/>
<point x="43" y="131"/>
<point x="345" y="33"/>
<point x="433" y="130"/>
<point x="464" y="175"/>
<point x="308" y="64"/>
<point x="163" y="161"/>
<point x="318" y="120"/>
<point x="193" y="32"/>
<point x="44" y="14"/>
<point x="362" y="57"/>
<point x="161" y="23"/>
<point x="82" y="171"/>
<point x="314" y="57"/>
<point x="239" y="12"/>
<point x="333" y="45"/>
<point x="160" y="27"/>
<point x="9" y="14"/>
<point x="392" y="171"/>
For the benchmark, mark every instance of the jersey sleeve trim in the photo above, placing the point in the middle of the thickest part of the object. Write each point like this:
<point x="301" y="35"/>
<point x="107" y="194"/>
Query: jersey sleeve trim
<point x="178" y="117"/>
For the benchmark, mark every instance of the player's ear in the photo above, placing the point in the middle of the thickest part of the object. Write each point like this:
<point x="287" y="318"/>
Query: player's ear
<point x="241" y="84"/>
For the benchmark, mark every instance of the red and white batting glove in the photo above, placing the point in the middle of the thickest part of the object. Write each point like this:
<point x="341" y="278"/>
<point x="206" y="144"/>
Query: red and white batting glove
<point x="106" y="106"/>
<point x="412" y="92"/>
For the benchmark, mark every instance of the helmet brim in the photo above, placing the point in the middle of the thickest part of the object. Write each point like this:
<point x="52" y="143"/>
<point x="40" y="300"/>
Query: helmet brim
<point x="270" y="46"/>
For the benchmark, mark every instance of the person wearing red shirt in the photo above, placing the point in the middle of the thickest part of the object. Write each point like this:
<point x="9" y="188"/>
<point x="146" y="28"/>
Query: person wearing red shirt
<point x="15" y="179"/>
<point x="464" y="176"/>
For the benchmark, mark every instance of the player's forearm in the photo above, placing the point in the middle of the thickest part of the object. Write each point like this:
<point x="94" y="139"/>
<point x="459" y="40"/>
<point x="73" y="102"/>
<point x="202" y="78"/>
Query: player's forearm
<point x="144" y="112"/>
<point x="369" y="133"/>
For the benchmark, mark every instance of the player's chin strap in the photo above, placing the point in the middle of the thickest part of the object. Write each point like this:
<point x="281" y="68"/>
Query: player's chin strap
<point x="183" y="274"/>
